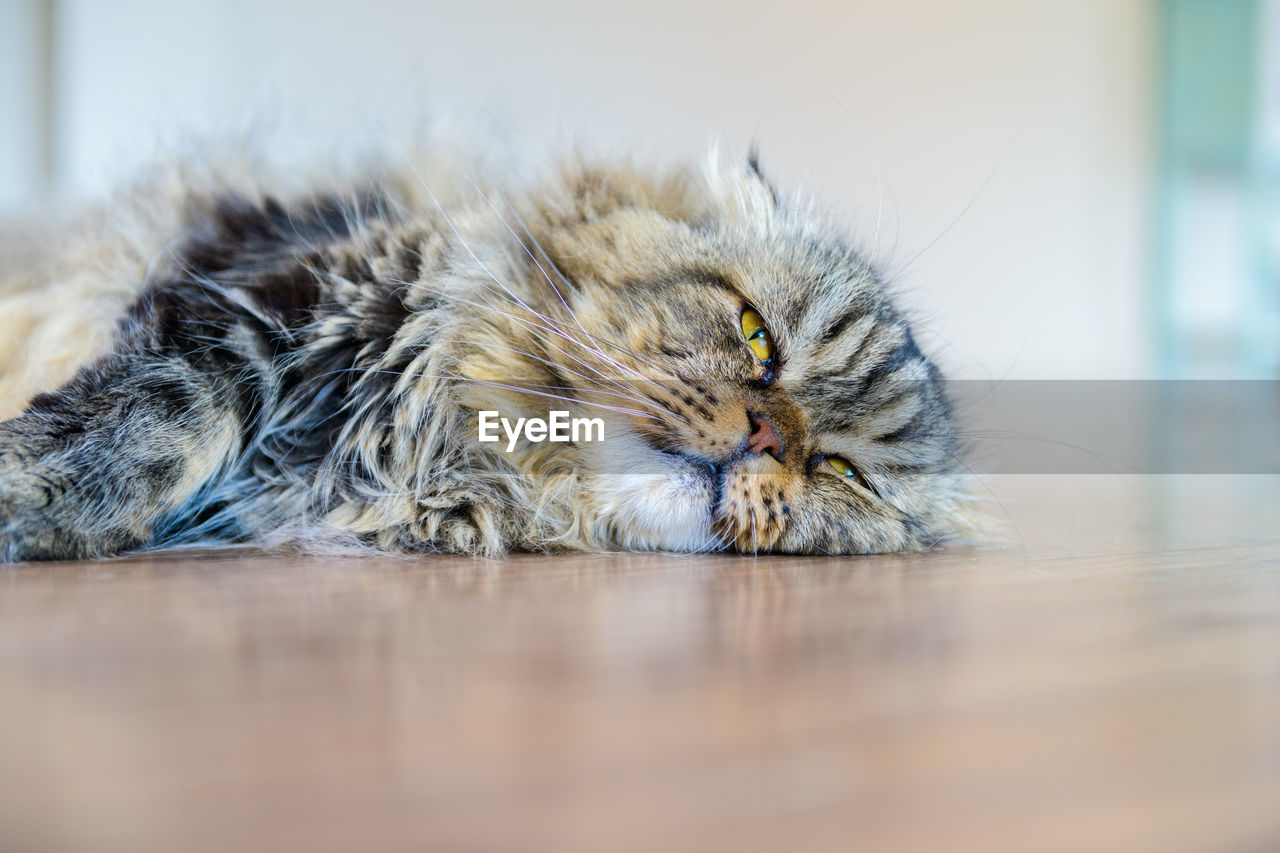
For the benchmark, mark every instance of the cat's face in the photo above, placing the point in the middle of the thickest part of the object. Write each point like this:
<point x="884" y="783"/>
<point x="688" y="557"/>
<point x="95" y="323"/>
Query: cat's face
<point x="759" y="391"/>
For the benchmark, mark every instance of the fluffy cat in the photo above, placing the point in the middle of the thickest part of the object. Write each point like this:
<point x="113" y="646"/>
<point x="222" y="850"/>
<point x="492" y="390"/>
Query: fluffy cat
<point x="220" y="363"/>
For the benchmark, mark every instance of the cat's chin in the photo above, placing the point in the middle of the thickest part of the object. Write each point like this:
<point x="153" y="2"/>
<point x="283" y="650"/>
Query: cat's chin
<point x="658" y="501"/>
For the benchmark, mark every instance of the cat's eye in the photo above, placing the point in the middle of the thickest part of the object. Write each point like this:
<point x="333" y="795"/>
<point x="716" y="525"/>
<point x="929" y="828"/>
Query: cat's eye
<point x="758" y="337"/>
<point x="842" y="466"/>
<point x="845" y="468"/>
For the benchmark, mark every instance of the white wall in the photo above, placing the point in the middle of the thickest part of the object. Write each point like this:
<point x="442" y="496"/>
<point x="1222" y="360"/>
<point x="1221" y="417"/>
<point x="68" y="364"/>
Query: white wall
<point x="1009" y="138"/>
<point x="23" y="103"/>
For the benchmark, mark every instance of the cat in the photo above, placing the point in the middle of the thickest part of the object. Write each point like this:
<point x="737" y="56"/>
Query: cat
<point x="207" y="361"/>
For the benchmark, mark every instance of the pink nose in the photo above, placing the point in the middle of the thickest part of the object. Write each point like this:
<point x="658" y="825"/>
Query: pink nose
<point x="764" y="437"/>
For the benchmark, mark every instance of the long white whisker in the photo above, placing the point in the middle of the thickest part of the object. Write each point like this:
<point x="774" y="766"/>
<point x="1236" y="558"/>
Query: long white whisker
<point x="456" y="233"/>
<point x="531" y="324"/>
<point x="526" y="249"/>
<point x="552" y="325"/>
<point x="534" y="240"/>
<point x="448" y="377"/>
<point x="595" y="386"/>
<point x="462" y="241"/>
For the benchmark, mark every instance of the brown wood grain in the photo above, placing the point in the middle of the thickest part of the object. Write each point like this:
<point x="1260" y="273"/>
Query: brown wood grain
<point x="1106" y="679"/>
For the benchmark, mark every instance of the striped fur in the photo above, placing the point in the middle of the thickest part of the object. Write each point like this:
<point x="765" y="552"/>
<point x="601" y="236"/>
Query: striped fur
<point x="219" y="363"/>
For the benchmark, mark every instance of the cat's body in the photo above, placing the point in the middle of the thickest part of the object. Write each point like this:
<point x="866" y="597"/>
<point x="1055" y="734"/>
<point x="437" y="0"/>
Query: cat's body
<point x="233" y="366"/>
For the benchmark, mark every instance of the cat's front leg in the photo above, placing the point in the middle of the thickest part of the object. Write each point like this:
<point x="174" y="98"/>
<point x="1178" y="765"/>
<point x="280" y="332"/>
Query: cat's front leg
<point x="465" y="524"/>
<point x="444" y="517"/>
<point x="87" y="469"/>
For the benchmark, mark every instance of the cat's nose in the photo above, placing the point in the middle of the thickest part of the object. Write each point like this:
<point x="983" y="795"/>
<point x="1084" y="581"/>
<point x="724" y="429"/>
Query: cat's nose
<point x="764" y="437"/>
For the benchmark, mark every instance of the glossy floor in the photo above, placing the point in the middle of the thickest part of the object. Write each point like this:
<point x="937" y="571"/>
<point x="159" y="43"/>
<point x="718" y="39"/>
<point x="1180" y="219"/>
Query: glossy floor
<point x="1109" y="678"/>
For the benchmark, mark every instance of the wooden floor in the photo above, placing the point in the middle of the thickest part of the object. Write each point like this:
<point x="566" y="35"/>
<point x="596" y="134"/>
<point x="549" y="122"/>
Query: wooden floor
<point x="1107" y="679"/>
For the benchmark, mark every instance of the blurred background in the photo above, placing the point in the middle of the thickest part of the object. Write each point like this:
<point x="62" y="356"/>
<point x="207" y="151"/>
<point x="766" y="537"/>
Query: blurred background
<point x="1072" y="189"/>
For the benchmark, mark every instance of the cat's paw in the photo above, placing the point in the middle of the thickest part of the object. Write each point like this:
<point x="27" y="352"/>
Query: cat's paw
<point x="28" y="536"/>
<point x="33" y="543"/>
<point x="474" y="528"/>
<point x="36" y="521"/>
<point x="468" y="527"/>
<point x="460" y="536"/>
<point x="25" y="500"/>
<point x="24" y="493"/>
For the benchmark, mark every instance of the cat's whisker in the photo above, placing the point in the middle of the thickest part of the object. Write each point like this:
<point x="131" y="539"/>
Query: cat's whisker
<point x="596" y="387"/>
<point x="571" y="400"/>
<point x="453" y="297"/>
<point x="720" y="537"/>
<point x="530" y="324"/>
<point x="564" y="280"/>
<point x="458" y="234"/>
<point x="526" y="249"/>
<point x="518" y="389"/>
<point x="559" y="294"/>
<point x="551" y="325"/>
<point x="623" y="391"/>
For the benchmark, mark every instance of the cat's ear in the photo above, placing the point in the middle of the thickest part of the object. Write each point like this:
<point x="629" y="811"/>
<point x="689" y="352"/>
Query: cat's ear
<point x="740" y="190"/>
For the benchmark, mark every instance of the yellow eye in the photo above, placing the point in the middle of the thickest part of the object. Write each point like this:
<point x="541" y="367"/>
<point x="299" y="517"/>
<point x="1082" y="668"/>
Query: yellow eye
<point x="842" y="467"/>
<point x="758" y="337"/>
<point x="845" y="468"/>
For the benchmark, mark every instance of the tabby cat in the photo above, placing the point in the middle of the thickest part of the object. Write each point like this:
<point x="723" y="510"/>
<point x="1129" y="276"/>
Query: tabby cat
<point x="229" y="363"/>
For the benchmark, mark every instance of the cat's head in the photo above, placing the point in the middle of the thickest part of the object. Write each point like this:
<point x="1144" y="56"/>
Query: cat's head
<point x="757" y="388"/>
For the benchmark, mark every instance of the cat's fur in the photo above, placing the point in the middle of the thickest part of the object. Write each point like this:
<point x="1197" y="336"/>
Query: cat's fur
<point x="231" y="365"/>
